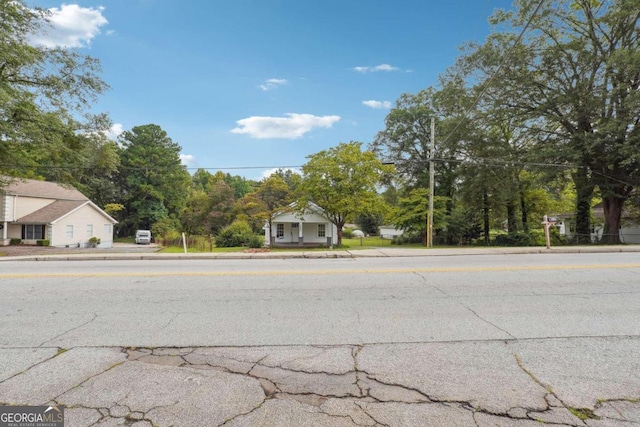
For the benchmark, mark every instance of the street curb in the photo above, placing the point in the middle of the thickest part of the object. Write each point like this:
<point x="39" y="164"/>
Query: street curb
<point x="366" y="253"/>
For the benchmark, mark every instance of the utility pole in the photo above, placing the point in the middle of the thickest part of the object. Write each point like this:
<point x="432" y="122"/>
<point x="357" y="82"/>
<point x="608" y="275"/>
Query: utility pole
<point x="432" y="176"/>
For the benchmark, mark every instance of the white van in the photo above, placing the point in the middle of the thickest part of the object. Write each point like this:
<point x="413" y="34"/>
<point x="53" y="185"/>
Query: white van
<point x="143" y="237"/>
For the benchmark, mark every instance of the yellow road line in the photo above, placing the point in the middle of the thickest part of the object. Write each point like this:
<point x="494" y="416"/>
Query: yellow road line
<point x="325" y="272"/>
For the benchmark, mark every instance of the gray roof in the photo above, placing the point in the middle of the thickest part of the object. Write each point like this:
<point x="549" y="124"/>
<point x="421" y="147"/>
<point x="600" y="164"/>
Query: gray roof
<point x="43" y="189"/>
<point x="51" y="212"/>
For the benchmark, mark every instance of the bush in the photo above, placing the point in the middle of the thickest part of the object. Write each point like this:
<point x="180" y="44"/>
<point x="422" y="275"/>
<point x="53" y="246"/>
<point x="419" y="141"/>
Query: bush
<point x="408" y="238"/>
<point x="94" y="241"/>
<point x="518" y="238"/>
<point x="166" y="228"/>
<point x="43" y="242"/>
<point x="15" y="241"/>
<point x="237" y="234"/>
<point x="347" y="233"/>
<point x="255" y="242"/>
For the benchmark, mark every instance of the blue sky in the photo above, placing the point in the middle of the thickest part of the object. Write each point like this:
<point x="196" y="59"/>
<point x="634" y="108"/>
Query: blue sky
<point x="264" y="82"/>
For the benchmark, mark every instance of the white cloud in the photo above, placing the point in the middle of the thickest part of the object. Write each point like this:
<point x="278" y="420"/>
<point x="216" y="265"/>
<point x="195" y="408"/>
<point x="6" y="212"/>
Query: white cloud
<point x="188" y="160"/>
<point x="377" y="104"/>
<point x="381" y="67"/>
<point x="115" y="130"/>
<point x="273" y="83"/>
<point x="292" y="126"/>
<point x="268" y="172"/>
<point x="70" y="25"/>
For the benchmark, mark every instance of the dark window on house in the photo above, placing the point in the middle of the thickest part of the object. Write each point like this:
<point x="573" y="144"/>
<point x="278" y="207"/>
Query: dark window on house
<point x="321" y="230"/>
<point x="279" y="231"/>
<point x="33" y="232"/>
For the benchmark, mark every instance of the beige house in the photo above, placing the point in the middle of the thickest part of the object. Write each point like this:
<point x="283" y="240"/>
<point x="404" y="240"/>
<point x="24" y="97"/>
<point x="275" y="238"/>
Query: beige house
<point x="32" y="210"/>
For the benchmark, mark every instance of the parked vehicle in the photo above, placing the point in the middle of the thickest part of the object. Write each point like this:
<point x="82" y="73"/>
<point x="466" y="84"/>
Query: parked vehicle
<point x="143" y="237"/>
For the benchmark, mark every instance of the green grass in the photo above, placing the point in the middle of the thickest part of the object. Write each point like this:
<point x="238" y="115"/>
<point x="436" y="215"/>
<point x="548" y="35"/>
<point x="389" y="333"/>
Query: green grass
<point x="584" y="413"/>
<point x="180" y="249"/>
<point x="372" y="242"/>
<point x="125" y="239"/>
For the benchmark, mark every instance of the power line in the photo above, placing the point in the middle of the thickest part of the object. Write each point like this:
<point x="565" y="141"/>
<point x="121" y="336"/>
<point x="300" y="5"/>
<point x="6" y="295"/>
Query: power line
<point x="487" y="82"/>
<point x="24" y="166"/>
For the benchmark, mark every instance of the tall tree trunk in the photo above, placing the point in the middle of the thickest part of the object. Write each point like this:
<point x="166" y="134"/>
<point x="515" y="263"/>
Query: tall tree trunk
<point x="584" y="195"/>
<point x="612" y="215"/>
<point x="524" y="210"/>
<point x="512" y="222"/>
<point x="340" y="226"/>
<point x="272" y="238"/>
<point x="485" y="217"/>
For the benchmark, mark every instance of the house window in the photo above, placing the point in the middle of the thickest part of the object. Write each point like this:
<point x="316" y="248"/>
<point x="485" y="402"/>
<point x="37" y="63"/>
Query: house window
<point x="279" y="231"/>
<point x="89" y="230"/>
<point x="321" y="230"/>
<point x="295" y="225"/>
<point x="107" y="229"/>
<point x="69" y="232"/>
<point x="33" y="232"/>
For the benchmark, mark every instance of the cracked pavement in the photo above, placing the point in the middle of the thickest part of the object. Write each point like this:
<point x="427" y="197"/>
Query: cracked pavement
<point x="470" y="383"/>
<point x="473" y="341"/>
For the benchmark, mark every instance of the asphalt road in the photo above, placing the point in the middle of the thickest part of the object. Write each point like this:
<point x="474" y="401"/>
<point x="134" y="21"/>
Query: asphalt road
<point x="343" y="301"/>
<point x="489" y="340"/>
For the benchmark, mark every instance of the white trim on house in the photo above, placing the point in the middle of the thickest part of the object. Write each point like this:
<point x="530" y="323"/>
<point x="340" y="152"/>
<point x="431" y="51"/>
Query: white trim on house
<point x="89" y="202"/>
<point x="30" y="203"/>
<point x="389" y="231"/>
<point x="301" y="227"/>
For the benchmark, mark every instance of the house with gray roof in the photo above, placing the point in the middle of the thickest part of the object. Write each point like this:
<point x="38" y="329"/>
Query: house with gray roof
<point x="32" y="210"/>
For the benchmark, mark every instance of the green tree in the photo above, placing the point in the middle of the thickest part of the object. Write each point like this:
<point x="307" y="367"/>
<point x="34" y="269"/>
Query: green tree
<point x="41" y="90"/>
<point x="155" y="184"/>
<point x="411" y="214"/>
<point x="240" y="185"/>
<point x="195" y="214"/>
<point x="574" y="79"/>
<point x="292" y="178"/>
<point x="221" y="206"/>
<point x="274" y="193"/>
<point x="342" y="181"/>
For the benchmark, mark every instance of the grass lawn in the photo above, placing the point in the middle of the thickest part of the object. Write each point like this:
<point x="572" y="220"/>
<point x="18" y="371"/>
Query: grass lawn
<point x="372" y="242"/>
<point x="180" y="250"/>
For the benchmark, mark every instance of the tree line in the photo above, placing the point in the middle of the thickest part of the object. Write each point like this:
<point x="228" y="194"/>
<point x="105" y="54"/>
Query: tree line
<point x="541" y="118"/>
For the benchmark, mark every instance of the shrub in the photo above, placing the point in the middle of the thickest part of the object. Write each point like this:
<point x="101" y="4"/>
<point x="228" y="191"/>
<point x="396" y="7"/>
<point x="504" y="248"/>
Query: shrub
<point x="416" y="237"/>
<point x="15" y="241"/>
<point x="347" y="233"/>
<point x="166" y="228"/>
<point x="237" y="234"/>
<point x="94" y="241"/>
<point x="256" y="242"/>
<point x="43" y="242"/>
<point x="518" y="238"/>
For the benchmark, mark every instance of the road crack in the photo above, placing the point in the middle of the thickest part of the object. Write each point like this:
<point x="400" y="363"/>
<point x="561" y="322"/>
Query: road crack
<point x="95" y="316"/>
<point x="489" y="322"/>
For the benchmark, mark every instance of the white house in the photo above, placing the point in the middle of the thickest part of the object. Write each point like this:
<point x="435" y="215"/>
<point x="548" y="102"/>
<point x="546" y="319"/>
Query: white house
<point x="301" y="227"/>
<point x="389" y="231"/>
<point x="32" y="210"/>
<point x="629" y="228"/>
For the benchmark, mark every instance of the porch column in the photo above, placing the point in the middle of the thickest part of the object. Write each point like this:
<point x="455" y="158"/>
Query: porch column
<point x="5" y="233"/>
<point x="301" y="233"/>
